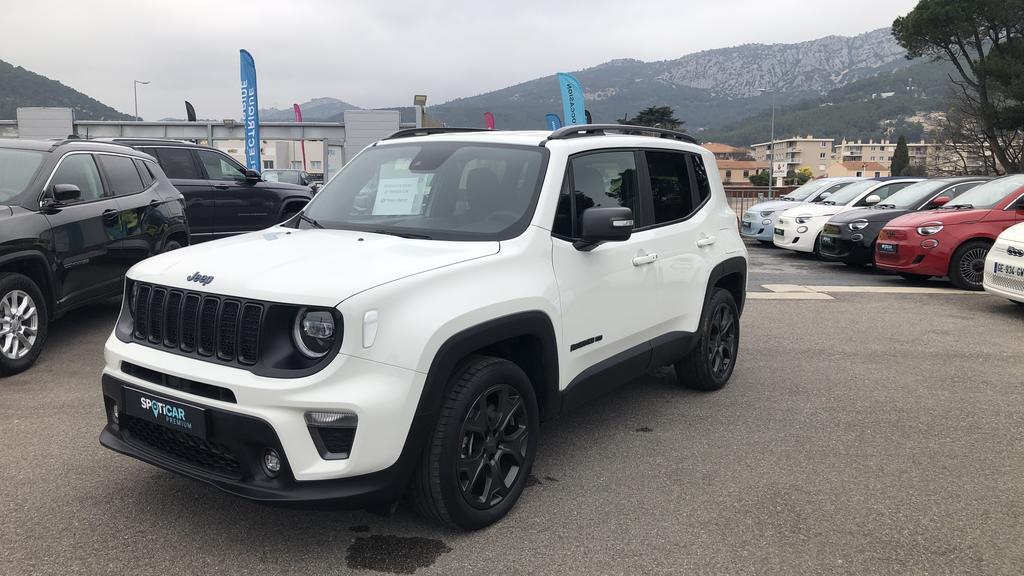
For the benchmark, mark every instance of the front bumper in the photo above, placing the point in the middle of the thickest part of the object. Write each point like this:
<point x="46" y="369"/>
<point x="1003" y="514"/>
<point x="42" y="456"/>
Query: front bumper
<point x="791" y="236"/>
<point x="1004" y="274"/>
<point x="756" y="227"/>
<point x="842" y="245"/>
<point x="910" y="257"/>
<point x="249" y="414"/>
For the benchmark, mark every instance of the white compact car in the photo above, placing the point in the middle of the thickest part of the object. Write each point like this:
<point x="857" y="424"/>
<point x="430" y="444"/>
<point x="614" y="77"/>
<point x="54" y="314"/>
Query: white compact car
<point x="409" y="330"/>
<point x="799" y="228"/>
<point x="1004" y="265"/>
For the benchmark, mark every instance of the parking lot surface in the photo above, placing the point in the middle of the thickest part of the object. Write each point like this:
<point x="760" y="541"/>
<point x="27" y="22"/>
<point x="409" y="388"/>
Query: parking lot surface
<point x="870" y="433"/>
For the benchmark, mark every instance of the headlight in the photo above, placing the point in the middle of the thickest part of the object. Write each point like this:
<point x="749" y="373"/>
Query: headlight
<point x="314" y="332"/>
<point x="858" y="225"/>
<point x="929" y="229"/>
<point x="803" y="218"/>
<point x="767" y="213"/>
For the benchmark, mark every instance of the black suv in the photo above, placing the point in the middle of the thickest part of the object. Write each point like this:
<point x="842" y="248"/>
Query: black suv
<point x="850" y="236"/>
<point x="74" y="216"/>
<point x="222" y="198"/>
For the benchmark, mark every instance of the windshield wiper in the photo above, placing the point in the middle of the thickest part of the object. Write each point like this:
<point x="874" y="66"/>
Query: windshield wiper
<point x="412" y="235"/>
<point x="885" y="205"/>
<point x="829" y="202"/>
<point x="787" y="199"/>
<point x="310" y="221"/>
<point x="959" y="207"/>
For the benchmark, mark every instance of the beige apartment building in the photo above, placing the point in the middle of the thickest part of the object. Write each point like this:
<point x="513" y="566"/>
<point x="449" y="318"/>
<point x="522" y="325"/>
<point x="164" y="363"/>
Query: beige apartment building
<point x="281" y="154"/>
<point x="938" y="158"/>
<point x="795" y="153"/>
<point x="858" y="169"/>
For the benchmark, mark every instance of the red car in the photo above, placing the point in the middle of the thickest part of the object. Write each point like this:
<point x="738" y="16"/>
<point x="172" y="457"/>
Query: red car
<point x="953" y="240"/>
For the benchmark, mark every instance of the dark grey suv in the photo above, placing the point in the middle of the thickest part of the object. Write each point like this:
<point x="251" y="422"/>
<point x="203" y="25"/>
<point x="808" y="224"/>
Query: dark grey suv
<point x="222" y="198"/>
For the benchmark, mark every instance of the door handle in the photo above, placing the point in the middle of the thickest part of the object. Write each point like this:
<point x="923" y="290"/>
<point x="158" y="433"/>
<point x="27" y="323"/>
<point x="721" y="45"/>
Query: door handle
<point x="154" y="203"/>
<point x="109" y="215"/>
<point x="645" y="259"/>
<point x="706" y="241"/>
<point x="221" y="186"/>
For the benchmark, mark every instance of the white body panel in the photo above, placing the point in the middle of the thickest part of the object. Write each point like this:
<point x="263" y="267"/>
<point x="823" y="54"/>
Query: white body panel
<point x="1004" y="265"/>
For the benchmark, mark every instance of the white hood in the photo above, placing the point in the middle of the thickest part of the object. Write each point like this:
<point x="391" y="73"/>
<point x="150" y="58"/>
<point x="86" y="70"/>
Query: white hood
<point x="814" y="210"/>
<point x="1013" y="234"/>
<point x="314" y="267"/>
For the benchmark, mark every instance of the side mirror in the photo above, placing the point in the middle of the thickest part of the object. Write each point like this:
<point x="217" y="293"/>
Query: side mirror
<point x="872" y="199"/>
<point x="64" y="193"/>
<point x="940" y="201"/>
<point x="823" y="196"/>
<point x="252" y="176"/>
<point x="600" y="225"/>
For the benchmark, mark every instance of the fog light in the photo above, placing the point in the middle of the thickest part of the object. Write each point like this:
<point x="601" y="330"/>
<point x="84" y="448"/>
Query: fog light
<point x="930" y="243"/>
<point x="765" y="222"/>
<point x="115" y="413"/>
<point x="341" y="419"/>
<point x="271" y="462"/>
<point x="801" y="229"/>
<point x="857" y="237"/>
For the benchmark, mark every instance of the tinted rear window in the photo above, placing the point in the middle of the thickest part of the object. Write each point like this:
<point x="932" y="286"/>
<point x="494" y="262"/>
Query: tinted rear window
<point x="122" y="175"/>
<point x="176" y="162"/>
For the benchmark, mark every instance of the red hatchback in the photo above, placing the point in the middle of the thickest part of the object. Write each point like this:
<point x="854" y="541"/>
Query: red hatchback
<point x="953" y="240"/>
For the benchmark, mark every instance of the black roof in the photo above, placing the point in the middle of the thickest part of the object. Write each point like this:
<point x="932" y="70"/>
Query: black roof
<point x="64" y="143"/>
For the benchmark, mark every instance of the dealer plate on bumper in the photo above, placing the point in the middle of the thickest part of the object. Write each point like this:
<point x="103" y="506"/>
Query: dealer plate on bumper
<point x="887" y="248"/>
<point x="165" y="412"/>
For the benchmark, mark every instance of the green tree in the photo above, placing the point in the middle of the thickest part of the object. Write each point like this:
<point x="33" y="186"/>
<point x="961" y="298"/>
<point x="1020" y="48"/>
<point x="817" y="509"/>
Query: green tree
<point x="656" y="117"/>
<point x="983" y="40"/>
<point x="900" y="158"/>
<point x="760" y="178"/>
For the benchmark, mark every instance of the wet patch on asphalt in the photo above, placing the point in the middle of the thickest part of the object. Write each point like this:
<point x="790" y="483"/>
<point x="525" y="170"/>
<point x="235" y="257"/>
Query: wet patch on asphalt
<point x="394" y="554"/>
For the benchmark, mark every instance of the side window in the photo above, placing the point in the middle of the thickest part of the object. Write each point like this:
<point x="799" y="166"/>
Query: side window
<point x="601" y="180"/>
<point x="700" y="173"/>
<point x="177" y="162"/>
<point x="672" y="188"/>
<point x="80" y="170"/>
<point x="122" y="175"/>
<point x="144" y="173"/>
<point x="218" y="167"/>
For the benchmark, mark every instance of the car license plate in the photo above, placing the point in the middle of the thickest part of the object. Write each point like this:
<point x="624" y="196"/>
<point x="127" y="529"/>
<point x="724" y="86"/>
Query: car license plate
<point x="829" y="241"/>
<point x="1007" y="270"/>
<point x="780" y="232"/>
<point x="165" y="412"/>
<point x="887" y="248"/>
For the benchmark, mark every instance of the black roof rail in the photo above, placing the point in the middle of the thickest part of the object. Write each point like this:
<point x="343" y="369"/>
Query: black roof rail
<point x="410" y="132"/>
<point x="581" y="130"/>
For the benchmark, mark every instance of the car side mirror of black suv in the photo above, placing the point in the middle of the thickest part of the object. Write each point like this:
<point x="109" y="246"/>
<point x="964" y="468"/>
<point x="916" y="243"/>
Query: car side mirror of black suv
<point x="252" y="176"/>
<point x="600" y="225"/>
<point x="64" y="193"/>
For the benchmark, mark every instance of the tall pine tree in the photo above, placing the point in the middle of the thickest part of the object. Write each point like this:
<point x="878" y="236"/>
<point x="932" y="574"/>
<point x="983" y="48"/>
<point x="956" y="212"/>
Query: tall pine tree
<point x="900" y="158"/>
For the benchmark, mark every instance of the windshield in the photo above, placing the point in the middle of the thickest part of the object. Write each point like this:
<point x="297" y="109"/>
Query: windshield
<point x="434" y="190"/>
<point x="850" y="193"/>
<point x="828" y="191"/>
<point x="989" y="194"/>
<point x="804" y="192"/>
<point x="16" y="170"/>
<point x="913" y="195"/>
<point x="286" y="176"/>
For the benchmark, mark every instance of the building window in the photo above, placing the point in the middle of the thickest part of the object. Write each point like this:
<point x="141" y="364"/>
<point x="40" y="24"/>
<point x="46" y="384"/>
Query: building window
<point x="315" y="165"/>
<point x="746" y="173"/>
<point x="822" y="155"/>
<point x="824" y="144"/>
<point x="268" y="164"/>
<point x="877" y="174"/>
<point x="296" y="164"/>
<point x="860" y="174"/>
<point x="728" y="175"/>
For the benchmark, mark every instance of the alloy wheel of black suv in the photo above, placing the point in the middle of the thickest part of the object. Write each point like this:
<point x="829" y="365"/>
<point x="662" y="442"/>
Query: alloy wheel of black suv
<point x="74" y="216"/>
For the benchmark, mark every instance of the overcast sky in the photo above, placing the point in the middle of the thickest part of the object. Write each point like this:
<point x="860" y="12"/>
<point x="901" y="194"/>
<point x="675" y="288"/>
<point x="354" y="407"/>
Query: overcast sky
<point x="378" y="53"/>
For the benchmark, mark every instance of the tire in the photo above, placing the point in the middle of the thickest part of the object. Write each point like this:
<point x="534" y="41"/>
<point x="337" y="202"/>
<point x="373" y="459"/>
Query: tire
<point x="23" y="320"/>
<point x="767" y="243"/>
<point x="171" y="245"/>
<point x="967" y="266"/>
<point x="1017" y="302"/>
<point x="817" y="246"/>
<point x="448" y="487"/>
<point x="710" y="364"/>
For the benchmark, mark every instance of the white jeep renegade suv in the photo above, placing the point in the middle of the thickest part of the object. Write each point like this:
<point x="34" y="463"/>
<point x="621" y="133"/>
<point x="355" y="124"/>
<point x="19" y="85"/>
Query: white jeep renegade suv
<point x="408" y="331"/>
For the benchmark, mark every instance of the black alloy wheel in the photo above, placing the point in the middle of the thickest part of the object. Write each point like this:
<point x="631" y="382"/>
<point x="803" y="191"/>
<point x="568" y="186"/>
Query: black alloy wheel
<point x="723" y="341"/>
<point x="967" y="267"/>
<point x="711" y="363"/>
<point x="493" y="446"/>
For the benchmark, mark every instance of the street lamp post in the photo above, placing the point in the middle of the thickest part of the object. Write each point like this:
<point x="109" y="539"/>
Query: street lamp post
<point x="771" y="145"/>
<point x="136" y="88"/>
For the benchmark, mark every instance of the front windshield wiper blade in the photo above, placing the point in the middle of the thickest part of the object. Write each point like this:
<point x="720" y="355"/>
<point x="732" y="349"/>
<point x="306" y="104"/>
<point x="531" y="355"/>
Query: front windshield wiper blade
<point x="310" y="221"/>
<point x="787" y="199"/>
<point x="885" y="205"/>
<point x="958" y="207"/>
<point x="829" y="202"/>
<point x="412" y="235"/>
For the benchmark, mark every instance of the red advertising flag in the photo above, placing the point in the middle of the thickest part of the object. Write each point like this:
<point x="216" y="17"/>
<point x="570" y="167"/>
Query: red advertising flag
<point x="489" y="120"/>
<point x="298" y="118"/>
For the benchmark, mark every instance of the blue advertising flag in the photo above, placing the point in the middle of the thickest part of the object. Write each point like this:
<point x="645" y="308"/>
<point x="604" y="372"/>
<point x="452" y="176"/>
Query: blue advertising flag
<point x="554" y="122"/>
<point x="250" y="112"/>
<point x="572" y="99"/>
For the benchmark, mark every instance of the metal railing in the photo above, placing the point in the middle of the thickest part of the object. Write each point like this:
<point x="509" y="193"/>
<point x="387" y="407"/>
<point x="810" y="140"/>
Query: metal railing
<point x="743" y="197"/>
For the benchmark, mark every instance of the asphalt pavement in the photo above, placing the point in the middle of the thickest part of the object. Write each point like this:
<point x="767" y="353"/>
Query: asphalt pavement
<point x="865" y="434"/>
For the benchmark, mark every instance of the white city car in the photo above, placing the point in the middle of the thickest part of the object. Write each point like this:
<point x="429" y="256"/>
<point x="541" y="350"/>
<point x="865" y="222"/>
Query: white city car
<point x="1004" y="265"/>
<point x="799" y="228"/>
<point x="410" y="328"/>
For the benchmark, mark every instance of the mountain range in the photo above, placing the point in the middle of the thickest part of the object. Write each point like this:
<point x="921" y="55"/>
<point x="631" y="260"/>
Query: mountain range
<point x="855" y="87"/>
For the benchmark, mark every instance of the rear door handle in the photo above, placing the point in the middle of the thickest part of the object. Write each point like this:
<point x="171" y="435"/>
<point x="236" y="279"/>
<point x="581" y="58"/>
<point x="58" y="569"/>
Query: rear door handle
<point x="221" y="186"/>
<point x="645" y="259"/>
<point x="109" y="215"/>
<point x="706" y="241"/>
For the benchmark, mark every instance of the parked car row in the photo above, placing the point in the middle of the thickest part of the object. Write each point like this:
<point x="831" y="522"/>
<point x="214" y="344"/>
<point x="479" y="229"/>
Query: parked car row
<point x="75" y="215"/>
<point x="969" y="229"/>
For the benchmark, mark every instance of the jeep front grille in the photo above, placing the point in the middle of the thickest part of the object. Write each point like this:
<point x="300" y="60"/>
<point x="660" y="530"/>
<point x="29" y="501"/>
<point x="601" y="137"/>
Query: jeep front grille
<point x="198" y="324"/>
